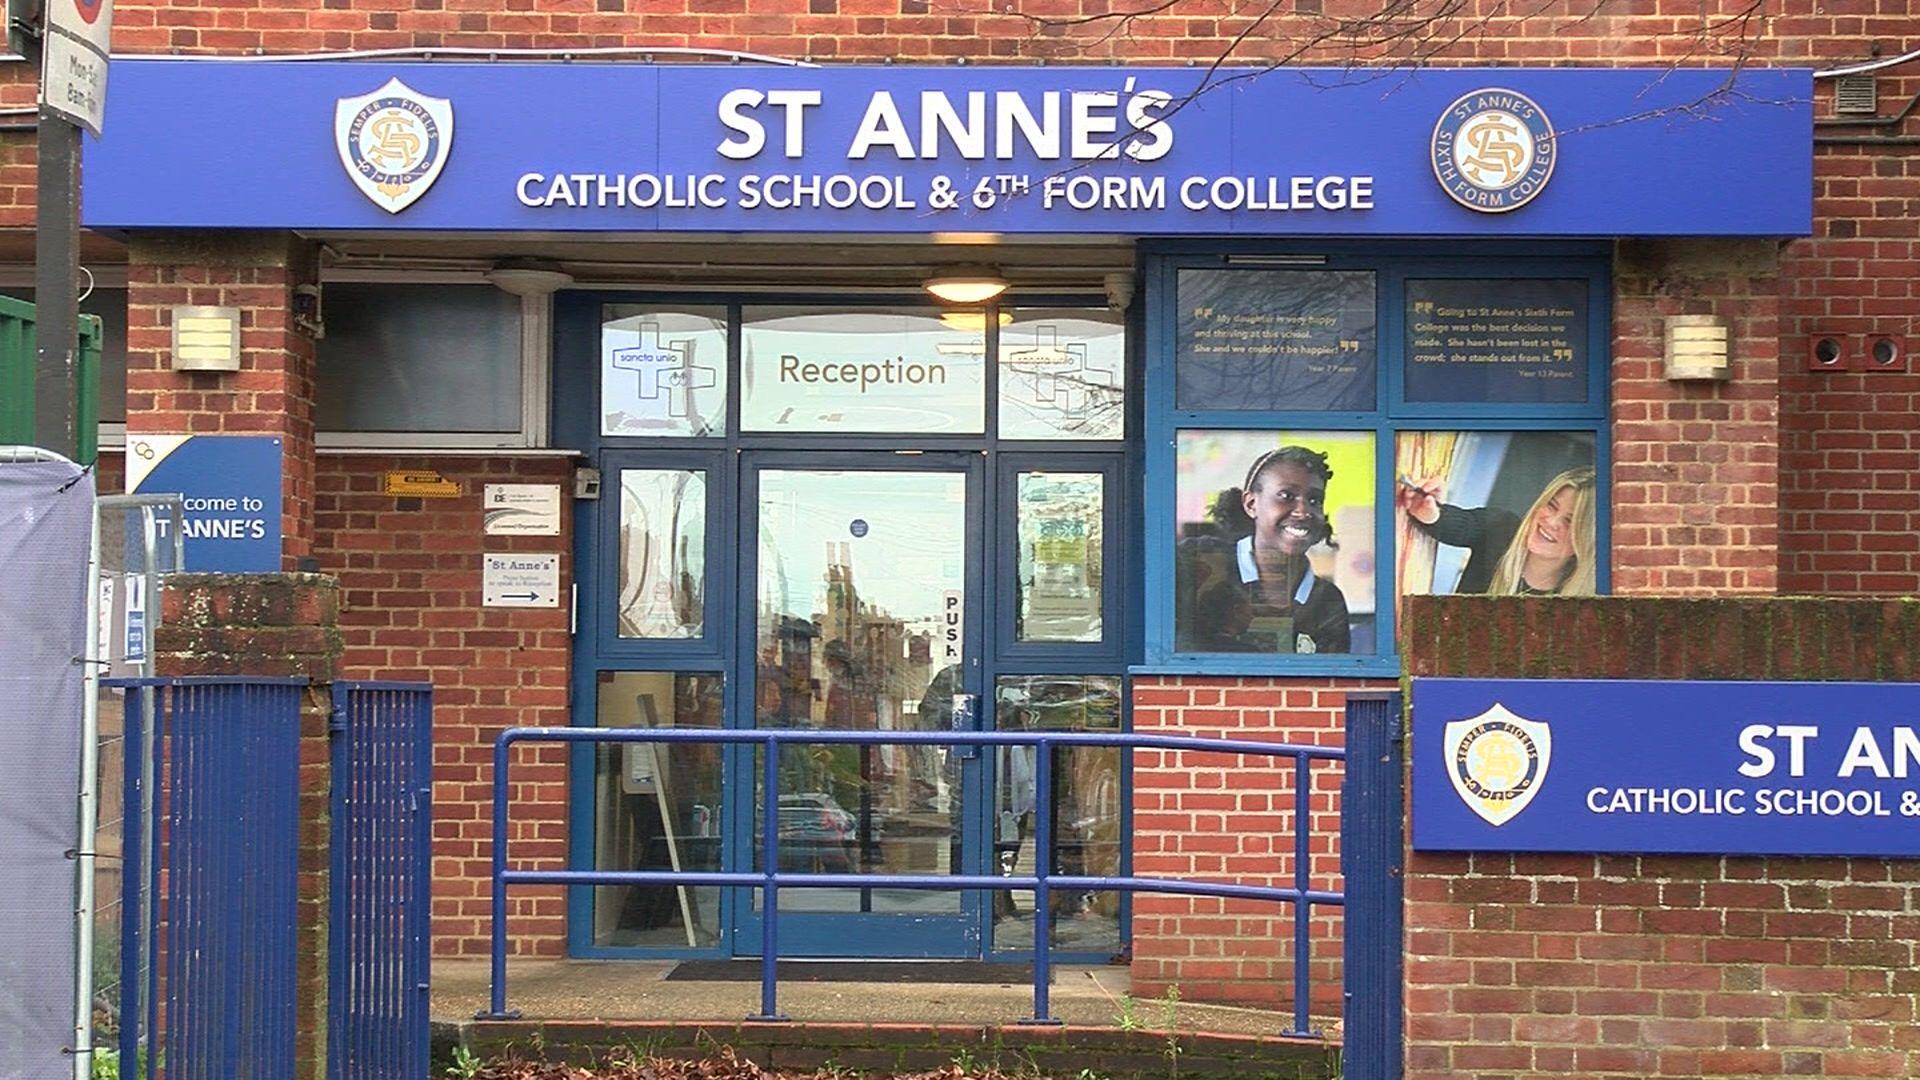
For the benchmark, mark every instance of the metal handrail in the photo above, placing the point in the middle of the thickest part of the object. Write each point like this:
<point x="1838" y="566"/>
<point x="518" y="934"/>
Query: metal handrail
<point x="770" y="879"/>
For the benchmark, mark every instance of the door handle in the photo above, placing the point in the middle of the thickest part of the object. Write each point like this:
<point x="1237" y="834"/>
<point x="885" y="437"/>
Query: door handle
<point x="964" y="716"/>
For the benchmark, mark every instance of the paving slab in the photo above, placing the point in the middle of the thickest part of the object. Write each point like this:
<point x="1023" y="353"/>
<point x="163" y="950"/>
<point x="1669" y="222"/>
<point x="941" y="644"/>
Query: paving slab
<point x="614" y="990"/>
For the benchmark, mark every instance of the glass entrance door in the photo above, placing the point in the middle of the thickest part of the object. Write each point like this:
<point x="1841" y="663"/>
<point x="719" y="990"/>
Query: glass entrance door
<point x="839" y="515"/>
<point x="860" y="571"/>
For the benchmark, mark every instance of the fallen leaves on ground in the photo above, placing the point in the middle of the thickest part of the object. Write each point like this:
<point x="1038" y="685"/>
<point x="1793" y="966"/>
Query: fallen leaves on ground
<point x="725" y="1065"/>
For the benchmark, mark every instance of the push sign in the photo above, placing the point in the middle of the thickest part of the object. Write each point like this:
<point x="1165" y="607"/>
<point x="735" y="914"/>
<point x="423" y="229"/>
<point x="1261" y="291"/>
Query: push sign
<point x="1723" y="768"/>
<point x="953" y="620"/>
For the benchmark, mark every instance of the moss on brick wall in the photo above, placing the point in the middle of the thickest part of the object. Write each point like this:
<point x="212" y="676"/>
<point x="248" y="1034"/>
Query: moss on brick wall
<point x="1783" y="638"/>
<point x="250" y="624"/>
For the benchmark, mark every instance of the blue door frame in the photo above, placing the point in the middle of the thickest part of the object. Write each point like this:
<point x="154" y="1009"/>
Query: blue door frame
<point x="866" y="934"/>
<point x="725" y="647"/>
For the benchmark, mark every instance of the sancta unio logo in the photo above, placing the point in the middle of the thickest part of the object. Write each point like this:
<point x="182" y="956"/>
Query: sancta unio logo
<point x="1493" y="150"/>
<point x="393" y="142"/>
<point x="1497" y="762"/>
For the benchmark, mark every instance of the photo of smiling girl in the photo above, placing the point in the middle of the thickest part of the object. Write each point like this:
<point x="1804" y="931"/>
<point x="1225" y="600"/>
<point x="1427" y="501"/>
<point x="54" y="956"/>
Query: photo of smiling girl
<point x="1546" y="551"/>
<point x="1499" y="513"/>
<point x="1247" y="584"/>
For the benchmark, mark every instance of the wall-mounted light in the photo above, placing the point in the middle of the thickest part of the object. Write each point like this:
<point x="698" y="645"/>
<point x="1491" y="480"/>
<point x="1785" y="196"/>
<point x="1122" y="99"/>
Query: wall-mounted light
<point x="966" y="285"/>
<point x="1698" y="347"/>
<point x="206" y="338"/>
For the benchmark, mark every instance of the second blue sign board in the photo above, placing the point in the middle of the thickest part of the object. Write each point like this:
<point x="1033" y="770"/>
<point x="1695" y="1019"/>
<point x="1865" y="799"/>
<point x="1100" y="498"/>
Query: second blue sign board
<point x="1721" y="768"/>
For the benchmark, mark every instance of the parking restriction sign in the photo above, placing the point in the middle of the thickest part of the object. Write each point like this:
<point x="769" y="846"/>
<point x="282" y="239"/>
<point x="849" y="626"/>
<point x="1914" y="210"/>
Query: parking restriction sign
<point x="73" y="65"/>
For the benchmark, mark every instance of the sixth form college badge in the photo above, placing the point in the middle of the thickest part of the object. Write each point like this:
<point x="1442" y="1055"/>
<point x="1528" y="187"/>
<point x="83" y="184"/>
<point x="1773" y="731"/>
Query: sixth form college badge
<point x="1497" y="761"/>
<point x="393" y="142"/>
<point x="1493" y="150"/>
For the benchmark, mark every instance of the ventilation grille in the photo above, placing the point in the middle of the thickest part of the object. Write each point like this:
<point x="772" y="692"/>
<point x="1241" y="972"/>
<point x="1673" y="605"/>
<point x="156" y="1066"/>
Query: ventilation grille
<point x="1856" y="95"/>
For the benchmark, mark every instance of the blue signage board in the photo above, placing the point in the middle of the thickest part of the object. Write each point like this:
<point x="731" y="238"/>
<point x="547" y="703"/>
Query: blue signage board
<point x="1274" y="339"/>
<point x="858" y="149"/>
<point x="1716" y="768"/>
<point x="230" y="487"/>
<point x="1505" y="340"/>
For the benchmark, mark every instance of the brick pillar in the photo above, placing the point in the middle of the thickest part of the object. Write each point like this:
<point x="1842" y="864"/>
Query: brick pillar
<point x="271" y="394"/>
<point x="275" y="624"/>
<point x="1696" y="465"/>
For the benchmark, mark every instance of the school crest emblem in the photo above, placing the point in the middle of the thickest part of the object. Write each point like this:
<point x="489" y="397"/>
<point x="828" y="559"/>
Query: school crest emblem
<point x="393" y="143"/>
<point x="1497" y="762"/>
<point x="1493" y="150"/>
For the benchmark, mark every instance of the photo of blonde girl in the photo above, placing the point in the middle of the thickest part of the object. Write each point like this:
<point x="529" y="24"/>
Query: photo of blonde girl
<point x="1499" y="513"/>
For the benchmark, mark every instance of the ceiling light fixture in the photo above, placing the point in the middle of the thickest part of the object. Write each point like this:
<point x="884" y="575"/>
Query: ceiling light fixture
<point x="528" y="277"/>
<point x="967" y="285"/>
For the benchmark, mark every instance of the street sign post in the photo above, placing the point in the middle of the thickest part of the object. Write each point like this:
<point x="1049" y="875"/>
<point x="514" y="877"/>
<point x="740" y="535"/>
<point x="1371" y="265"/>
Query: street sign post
<point x="73" y="91"/>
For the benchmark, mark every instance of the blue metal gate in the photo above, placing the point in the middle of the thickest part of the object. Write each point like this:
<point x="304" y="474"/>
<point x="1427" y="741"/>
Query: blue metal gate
<point x="212" y="791"/>
<point x="380" y="882"/>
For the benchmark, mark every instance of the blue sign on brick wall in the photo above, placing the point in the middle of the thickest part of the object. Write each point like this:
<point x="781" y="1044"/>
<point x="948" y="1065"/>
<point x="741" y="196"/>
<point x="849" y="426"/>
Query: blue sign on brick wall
<point x="1736" y="768"/>
<point x="906" y="149"/>
<point x="230" y="485"/>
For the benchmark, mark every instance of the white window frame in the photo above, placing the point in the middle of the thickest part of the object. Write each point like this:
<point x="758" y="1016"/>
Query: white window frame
<point x="536" y="375"/>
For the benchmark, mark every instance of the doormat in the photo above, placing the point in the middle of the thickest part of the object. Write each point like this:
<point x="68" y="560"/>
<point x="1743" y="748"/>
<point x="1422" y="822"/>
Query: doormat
<point x="856" y="971"/>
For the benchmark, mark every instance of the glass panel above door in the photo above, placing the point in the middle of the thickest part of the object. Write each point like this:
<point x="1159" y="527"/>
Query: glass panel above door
<point x="663" y="553"/>
<point x="824" y="370"/>
<point x="1063" y="374"/>
<point x="663" y="371"/>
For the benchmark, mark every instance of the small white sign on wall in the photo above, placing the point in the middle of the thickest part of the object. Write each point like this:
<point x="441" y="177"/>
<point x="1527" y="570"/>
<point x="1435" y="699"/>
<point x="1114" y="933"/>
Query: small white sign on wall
<point x="511" y="580"/>
<point x="136" y="640"/>
<point x="522" y="509"/>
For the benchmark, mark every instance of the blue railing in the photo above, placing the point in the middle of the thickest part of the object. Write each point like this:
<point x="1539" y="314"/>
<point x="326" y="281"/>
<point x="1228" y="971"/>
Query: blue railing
<point x="381" y="880"/>
<point x="770" y="879"/>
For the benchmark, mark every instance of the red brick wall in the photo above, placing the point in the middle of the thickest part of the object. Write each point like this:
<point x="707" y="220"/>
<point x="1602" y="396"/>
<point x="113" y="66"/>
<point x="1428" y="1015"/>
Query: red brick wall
<point x="1850" y="462"/>
<point x="1670" y="966"/>
<point x="1007" y="30"/>
<point x="110" y="472"/>
<point x="409" y="573"/>
<point x="271" y="394"/>
<point x="1695" y="465"/>
<point x="1211" y="817"/>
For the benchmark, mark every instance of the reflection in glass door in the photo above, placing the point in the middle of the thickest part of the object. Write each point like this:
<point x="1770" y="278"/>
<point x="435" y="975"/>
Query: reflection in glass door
<point x="861" y="580"/>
